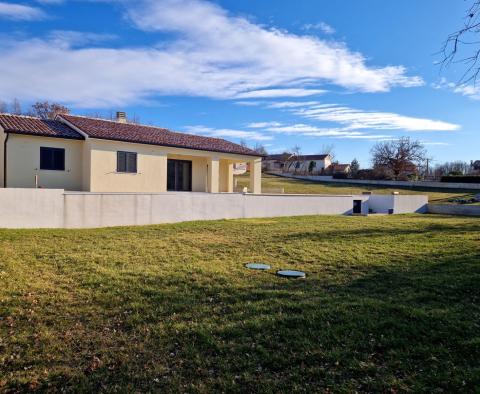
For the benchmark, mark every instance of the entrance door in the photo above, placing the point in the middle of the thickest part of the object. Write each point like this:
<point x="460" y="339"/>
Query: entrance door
<point x="357" y="206"/>
<point x="179" y="175"/>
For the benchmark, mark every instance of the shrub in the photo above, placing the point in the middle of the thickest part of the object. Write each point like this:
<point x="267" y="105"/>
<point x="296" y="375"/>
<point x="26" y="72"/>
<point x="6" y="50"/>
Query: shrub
<point x="461" y="178"/>
<point x="340" y="176"/>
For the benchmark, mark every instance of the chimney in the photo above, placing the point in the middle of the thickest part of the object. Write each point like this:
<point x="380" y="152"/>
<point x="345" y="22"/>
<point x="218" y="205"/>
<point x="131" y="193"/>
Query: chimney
<point x="121" y="117"/>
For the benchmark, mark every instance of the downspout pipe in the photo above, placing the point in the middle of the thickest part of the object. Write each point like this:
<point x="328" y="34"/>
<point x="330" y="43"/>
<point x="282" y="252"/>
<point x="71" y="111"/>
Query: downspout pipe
<point x="5" y="160"/>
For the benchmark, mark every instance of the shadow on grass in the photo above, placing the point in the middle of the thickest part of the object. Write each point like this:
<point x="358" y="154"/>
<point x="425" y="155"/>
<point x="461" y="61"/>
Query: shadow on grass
<point x="401" y="328"/>
<point x="368" y="232"/>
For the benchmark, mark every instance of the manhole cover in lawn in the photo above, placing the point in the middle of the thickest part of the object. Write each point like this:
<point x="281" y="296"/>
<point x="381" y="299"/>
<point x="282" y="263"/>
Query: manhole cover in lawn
<point x="256" y="266"/>
<point x="291" y="274"/>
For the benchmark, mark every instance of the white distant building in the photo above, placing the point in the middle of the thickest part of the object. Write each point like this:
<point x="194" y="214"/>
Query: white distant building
<point x="305" y="164"/>
<point x="239" y="168"/>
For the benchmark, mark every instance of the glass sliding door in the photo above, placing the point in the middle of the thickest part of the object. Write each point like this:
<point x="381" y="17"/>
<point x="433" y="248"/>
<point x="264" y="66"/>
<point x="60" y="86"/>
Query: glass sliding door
<point x="179" y="175"/>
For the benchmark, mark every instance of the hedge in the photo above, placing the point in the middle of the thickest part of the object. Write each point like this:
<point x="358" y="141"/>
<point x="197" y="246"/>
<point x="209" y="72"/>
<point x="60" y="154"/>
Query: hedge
<point x="461" y="178"/>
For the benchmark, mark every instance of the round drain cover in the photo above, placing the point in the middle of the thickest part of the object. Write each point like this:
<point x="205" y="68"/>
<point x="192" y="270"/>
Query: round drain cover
<point x="291" y="274"/>
<point x="255" y="266"/>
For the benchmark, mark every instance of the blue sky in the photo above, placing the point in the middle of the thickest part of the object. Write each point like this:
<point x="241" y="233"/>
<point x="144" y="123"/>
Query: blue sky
<point x="281" y="73"/>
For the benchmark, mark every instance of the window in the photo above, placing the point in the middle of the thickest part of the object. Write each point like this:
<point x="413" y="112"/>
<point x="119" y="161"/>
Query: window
<point x="179" y="175"/>
<point x="127" y="162"/>
<point x="52" y="159"/>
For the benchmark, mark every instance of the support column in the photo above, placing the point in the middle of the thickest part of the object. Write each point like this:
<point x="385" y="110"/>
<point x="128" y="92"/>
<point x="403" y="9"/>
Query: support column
<point x="213" y="178"/>
<point x="230" y="178"/>
<point x="256" y="176"/>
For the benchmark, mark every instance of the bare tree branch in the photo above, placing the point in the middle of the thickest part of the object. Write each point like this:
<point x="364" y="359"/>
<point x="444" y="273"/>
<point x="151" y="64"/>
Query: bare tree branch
<point x="456" y="48"/>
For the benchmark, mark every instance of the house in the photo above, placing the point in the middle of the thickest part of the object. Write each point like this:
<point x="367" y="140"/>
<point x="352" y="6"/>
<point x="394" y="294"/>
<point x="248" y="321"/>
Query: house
<point x="239" y="168"/>
<point x="337" y="168"/>
<point x="304" y="164"/>
<point x="94" y="155"/>
<point x="275" y="163"/>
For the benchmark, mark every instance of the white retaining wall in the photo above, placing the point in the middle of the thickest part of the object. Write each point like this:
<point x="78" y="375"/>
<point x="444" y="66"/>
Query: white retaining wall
<point x="83" y="210"/>
<point x="31" y="208"/>
<point x="426" y="184"/>
<point x="461" y="210"/>
<point x="44" y="208"/>
<point x="384" y="203"/>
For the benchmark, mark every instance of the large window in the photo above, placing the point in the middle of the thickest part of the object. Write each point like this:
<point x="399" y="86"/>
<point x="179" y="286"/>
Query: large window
<point x="126" y="162"/>
<point x="52" y="159"/>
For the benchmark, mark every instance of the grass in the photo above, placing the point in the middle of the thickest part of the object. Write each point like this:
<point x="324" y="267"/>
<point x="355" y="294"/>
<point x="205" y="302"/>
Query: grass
<point x="390" y="304"/>
<point x="297" y="186"/>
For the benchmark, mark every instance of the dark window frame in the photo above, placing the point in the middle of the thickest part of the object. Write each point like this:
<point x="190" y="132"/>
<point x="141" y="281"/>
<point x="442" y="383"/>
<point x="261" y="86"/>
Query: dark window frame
<point x="175" y="163"/>
<point x="52" y="159"/>
<point x="124" y="163"/>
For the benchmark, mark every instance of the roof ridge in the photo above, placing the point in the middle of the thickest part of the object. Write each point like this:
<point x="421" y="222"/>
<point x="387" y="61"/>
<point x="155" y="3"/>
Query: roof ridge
<point x="116" y="122"/>
<point x="22" y="116"/>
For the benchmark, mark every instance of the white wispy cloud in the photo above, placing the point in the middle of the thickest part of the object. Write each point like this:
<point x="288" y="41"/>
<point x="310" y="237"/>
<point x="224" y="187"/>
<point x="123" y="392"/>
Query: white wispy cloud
<point x="275" y="93"/>
<point x="435" y="143"/>
<point x="324" y="27"/>
<point x="470" y="91"/>
<point x="292" y="104"/>
<point x="20" y="12"/>
<point x="249" y="103"/>
<point x="55" y="2"/>
<point x="227" y="133"/>
<point x="262" y="125"/>
<point x="314" y="131"/>
<point x="354" y="119"/>
<point x="70" y="38"/>
<point x="211" y="54"/>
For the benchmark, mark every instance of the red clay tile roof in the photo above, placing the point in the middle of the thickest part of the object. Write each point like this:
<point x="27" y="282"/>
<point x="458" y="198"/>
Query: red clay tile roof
<point x="340" y="167"/>
<point x="110" y="130"/>
<point x="28" y="125"/>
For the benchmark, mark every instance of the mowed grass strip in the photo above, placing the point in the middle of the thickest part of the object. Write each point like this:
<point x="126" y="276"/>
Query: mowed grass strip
<point x="297" y="186"/>
<point x="390" y="304"/>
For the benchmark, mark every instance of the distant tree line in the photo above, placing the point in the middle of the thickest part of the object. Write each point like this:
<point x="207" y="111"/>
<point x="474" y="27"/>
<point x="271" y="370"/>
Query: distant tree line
<point x="41" y="109"/>
<point x="49" y="110"/>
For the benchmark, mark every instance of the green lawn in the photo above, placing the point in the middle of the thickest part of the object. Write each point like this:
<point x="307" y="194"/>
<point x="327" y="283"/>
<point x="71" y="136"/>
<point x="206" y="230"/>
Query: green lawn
<point x="297" y="186"/>
<point x="390" y="304"/>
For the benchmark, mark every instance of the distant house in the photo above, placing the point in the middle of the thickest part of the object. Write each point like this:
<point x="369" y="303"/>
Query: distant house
<point x="275" y="163"/>
<point x="304" y="164"/>
<point x="94" y="155"/>
<point x="240" y="168"/>
<point x="337" y="168"/>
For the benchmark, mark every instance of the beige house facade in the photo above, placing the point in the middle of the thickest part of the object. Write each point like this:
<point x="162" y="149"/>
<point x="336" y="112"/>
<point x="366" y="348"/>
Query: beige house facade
<point x="92" y="155"/>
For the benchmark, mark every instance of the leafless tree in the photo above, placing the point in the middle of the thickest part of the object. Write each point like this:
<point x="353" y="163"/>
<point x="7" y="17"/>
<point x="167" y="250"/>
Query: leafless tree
<point x="46" y="110"/>
<point x="398" y="155"/>
<point x="463" y="45"/>
<point x="135" y="119"/>
<point x="16" y="107"/>
<point x="296" y="151"/>
<point x="243" y="143"/>
<point x="3" y="107"/>
<point x="294" y="163"/>
<point x="452" y="168"/>
<point x="259" y="148"/>
<point x="329" y="149"/>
